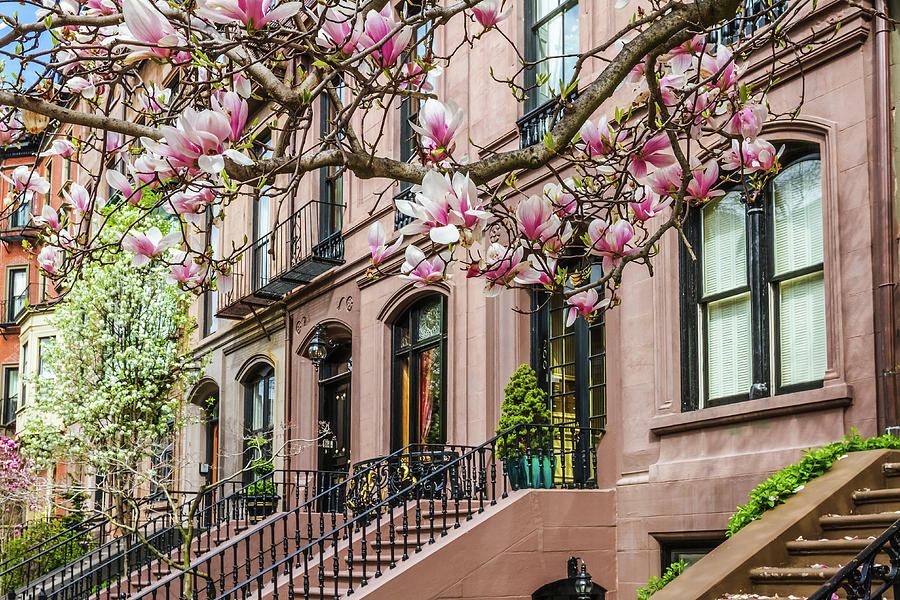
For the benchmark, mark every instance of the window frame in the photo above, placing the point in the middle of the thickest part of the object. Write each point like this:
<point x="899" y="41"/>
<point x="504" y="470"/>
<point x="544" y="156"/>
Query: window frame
<point x="331" y="179"/>
<point x="764" y="288"/>
<point x="414" y="349"/>
<point x="531" y="46"/>
<point x="211" y="297"/>
<point x="7" y="418"/>
<point x="10" y="316"/>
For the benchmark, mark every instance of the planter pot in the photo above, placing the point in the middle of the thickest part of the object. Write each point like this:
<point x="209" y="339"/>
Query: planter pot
<point x="260" y="507"/>
<point x="530" y="472"/>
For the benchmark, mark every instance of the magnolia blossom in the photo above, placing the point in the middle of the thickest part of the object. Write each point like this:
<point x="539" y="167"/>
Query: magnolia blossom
<point x="680" y="58"/>
<point x="721" y="66"/>
<point x="253" y="14"/>
<point x="751" y="155"/>
<point x="80" y="85"/>
<point x="148" y="245"/>
<point x="500" y="267"/>
<point x="120" y="183"/>
<point x="537" y="219"/>
<point x="242" y="86"/>
<point x="414" y="77"/>
<point x="563" y="201"/>
<point x="27" y="182"/>
<point x="610" y="241"/>
<point x="50" y="260"/>
<point x="154" y="99"/>
<point x="539" y="271"/>
<point x="61" y="147"/>
<point x="584" y="303"/>
<point x="191" y="204"/>
<point x="655" y="151"/>
<point x="665" y="181"/>
<point x="487" y="13"/>
<point x="420" y="270"/>
<point x="79" y="198"/>
<point x="748" y="121"/>
<point x="196" y="142"/>
<point x="187" y="272"/>
<point x="650" y="206"/>
<point x="700" y="186"/>
<point x="466" y="208"/>
<point x="10" y="129"/>
<point x="378" y="27"/>
<point x="377" y="238"/>
<point x="236" y="109"/>
<point x="598" y="138"/>
<point x="50" y="218"/>
<point x="338" y="33"/>
<point x="431" y="210"/>
<point x="145" y="23"/>
<point x="437" y="125"/>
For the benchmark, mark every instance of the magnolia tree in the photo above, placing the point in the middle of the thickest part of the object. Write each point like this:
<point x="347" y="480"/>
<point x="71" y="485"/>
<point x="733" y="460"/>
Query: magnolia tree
<point x="17" y="483"/>
<point x="661" y="121"/>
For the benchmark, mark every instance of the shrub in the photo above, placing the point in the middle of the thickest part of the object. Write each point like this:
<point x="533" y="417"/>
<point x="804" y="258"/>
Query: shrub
<point x="64" y="550"/>
<point x="657" y="583"/>
<point x="524" y="403"/>
<point x="261" y="488"/>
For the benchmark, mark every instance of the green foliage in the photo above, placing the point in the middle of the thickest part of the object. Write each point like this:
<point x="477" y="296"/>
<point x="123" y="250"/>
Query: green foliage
<point x="263" y="487"/>
<point x="657" y="583"/>
<point x="524" y="403"/>
<point x="65" y="549"/>
<point x="262" y="467"/>
<point x="788" y="481"/>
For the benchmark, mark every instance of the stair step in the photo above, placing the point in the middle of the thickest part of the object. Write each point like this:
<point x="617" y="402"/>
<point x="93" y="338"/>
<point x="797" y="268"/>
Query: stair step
<point x="329" y="592"/>
<point x="863" y="525"/>
<point x="873" y="501"/>
<point x="784" y="582"/>
<point x="891" y="469"/>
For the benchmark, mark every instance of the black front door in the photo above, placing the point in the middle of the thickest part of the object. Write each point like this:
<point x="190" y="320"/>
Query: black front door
<point x="334" y="410"/>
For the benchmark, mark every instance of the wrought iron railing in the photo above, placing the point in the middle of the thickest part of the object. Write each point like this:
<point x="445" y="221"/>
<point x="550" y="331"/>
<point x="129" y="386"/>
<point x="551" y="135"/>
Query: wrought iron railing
<point x="117" y="566"/>
<point x="866" y="577"/>
<point x="306" y="244"/>
<point x="401" y="220"/>
<point x="392" y="508"/>
<point x="535" y="124"/>
<point x="754" y="15"/>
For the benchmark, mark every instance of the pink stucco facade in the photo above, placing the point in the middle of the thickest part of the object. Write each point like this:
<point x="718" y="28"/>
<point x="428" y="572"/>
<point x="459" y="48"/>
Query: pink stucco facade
<point x="669" y="476"/>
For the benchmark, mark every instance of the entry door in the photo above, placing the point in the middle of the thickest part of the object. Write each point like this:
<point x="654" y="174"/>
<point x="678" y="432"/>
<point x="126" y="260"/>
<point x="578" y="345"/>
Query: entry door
<point x="334" y="409"/>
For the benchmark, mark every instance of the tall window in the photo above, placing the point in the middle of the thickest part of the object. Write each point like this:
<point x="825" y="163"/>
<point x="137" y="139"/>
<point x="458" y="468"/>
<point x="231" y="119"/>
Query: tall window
<point x="21" y="216"/>
<point x="44" y="345"/>
<point x="552" y="43"/>
<point x="24" y="393"/>
<point x="570" y="362"/>
<point x="10" y="394"/>
<point x="16" y="292"/>
<point x="419" y="411"/>
<point x="331" y="182"/>
<point x="753" y="305"/>
<point x="409" y="107"/>
<point x="211" y="298"/>
<point x="262" y="215"/>
<point x="259" y="397"/>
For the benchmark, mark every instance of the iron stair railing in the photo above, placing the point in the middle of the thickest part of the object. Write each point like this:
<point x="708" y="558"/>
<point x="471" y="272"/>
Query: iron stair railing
<point x="863" y="578"/>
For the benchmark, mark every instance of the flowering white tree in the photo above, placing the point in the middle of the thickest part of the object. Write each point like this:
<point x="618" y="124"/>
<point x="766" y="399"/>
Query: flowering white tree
<point x="661" y="122"/>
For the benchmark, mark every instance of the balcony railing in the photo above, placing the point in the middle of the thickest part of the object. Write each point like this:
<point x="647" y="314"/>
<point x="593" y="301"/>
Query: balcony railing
<point x="401" y="220"/>
<point x="18" y="225"/>
<point x="535" y="124"/>
<point x="295" y="252"/>
<point x="754" y="15"/>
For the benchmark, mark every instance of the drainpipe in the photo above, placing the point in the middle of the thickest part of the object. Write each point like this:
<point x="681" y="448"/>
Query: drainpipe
<point x="883" y="247"/>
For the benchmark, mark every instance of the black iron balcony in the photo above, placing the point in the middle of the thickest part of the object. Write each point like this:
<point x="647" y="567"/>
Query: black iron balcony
<point x="535" y="124"/>
<point x="18" y="225"/>
<point x="754" y="15"/>
<point x="401" y="220"/>
<point x="297" y="250"/>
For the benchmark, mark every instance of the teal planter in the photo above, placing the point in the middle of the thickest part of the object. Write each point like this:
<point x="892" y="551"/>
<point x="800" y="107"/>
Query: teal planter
<point x="530" y="472"/>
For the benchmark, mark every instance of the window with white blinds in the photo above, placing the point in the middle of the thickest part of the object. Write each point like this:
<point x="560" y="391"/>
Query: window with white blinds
<point x="753" y="305"/>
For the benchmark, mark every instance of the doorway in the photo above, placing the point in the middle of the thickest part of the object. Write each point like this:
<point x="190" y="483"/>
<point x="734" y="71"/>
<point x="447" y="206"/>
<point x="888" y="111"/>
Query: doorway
<point x="334" y="409"/>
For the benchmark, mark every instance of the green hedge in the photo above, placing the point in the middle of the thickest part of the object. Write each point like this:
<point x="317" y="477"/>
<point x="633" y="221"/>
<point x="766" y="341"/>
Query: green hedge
<point x="65" y="549"/>
<point x="657" y="583"/>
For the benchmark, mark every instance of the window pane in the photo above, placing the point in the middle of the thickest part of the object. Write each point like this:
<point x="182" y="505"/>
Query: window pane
<point x="12" y="394"/>
<point x="429" y="324"/>
<point x="430" y="397"/>
<point x="797" y="199"/>
<point x="571" y="43"/>
<point x="724" y="245"/>
<point x="549" y="42"/>
<point x="543" y="7"/>
<point x="802" y="335"/>
<point x="728" y="346"/>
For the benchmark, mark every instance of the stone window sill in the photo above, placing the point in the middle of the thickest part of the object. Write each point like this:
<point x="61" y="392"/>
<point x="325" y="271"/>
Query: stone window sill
<point x="831" y="396"/>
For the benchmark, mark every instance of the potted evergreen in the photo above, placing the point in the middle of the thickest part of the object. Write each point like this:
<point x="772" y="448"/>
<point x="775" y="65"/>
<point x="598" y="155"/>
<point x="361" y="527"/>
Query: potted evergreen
<point x="262" y="495"/>
<point x="527" y="452"/>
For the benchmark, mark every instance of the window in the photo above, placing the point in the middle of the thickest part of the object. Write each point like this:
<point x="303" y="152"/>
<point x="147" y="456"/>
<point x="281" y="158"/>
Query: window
<point x="44" y="345"/>
<point x="21" y="216"/>
<point x="553" y="44"/>
<point x="753" y="305"/>
<point x="419" y="411"/>
<point x="262" y="215"/>
<point x="259" y="396"/>
<point x="688" y="547"/>
<point x="211" y="298"/>
<point x="331" y="182"/>
<point x="16" y="292"/>
<point x="753" y="16"/>
<point x="25" y="372"/>
<point x="10" y="394"/>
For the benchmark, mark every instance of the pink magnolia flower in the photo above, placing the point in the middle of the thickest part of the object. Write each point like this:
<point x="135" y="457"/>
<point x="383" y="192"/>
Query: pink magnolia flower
<point x="119" y="182"/>
<point x="557" y="243"/>
<point x="61" y="147"/>
<point x="501" y="266"/>
<point x="149" y="244"/>
<point x="378" y="27"/>
<point x="487" y="13"/>
<point x="584" y="303"/>
<point x="540" y="271"/>
<point x="146" y="24"/>
<point x="700" y="186"/>
<point x="236" y="109"/>
<point x="196" y="143"/>
<point x="377" y="238"/>
<point x="720" y="65"/>
<point x="610" y="241"/>
<point x="253" y="14"/>
<point x="153" y="99"/>
<point x="79" y="198"/>
<point x="242" y="86"/>
<point x="191" y="204"/>
<point x="748" y="121"/>
<point x="681" y="57"/>
<point x="655" y="151"/>
<point x="419" y="269"/>
<point x="563" y="201"/>
<point x="101" y="7"/>
<point x="431" y="210"/>
<point x="27" y="182"/>
<point x="10" y="129"/>
<point x="697" y="104"/>
<point x="414" y="77"/>
<point x="50" y="218"/>
<point x="338" y="33"/>
<point x="537" y="219"/>
<point x="650" y="206"/>
<point x="466" y="208"/>
<point x="752" y="155"/>
<point x="186" y="272"/>
<point x="665" y="181"/>
<point x="80" y="85"/>
<point x="598" y="139"/>
<point x="50" y="260"/>
<point x="437" y="124"/>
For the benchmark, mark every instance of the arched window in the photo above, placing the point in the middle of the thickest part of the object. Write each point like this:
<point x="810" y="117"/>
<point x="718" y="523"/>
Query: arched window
<point x="419" y="411"/>
<point x="753" y="303"/>
<point x="259" y="397"/>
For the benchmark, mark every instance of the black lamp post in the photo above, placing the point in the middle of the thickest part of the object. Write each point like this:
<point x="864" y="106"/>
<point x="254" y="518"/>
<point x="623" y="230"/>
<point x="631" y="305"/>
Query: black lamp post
<point x="318" y="347"/>
<point x="584" y="588"/>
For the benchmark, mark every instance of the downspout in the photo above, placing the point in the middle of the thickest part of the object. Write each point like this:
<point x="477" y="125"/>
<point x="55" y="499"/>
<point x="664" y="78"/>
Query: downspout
<point x="883" y="247"/>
